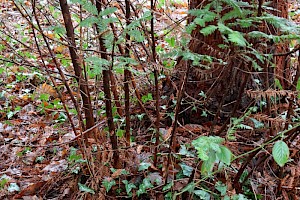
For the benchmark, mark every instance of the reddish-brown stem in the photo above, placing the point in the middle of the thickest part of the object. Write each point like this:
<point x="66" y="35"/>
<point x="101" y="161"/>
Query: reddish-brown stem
<point x="177" y="111"/>
<point x="108" y="104"/>
<point x="127" y="77"/>
<point x="157" y="122"/>
<point x="83" y="85"/>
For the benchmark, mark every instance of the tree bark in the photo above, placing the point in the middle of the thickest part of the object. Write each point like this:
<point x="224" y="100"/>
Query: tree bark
<point x="214" y="81"/>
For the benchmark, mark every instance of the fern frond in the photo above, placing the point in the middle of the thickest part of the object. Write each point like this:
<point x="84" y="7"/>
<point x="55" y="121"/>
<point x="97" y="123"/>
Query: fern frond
<point x="208" y="30"/>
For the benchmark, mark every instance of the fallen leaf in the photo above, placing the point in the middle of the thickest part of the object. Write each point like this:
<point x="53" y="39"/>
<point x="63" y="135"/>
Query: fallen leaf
<point x="30" y="190"/>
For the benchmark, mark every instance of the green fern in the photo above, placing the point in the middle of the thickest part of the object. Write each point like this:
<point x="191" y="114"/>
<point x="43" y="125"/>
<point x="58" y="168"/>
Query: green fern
<point x="237" y="38"/>
<point x="208" y="30"/>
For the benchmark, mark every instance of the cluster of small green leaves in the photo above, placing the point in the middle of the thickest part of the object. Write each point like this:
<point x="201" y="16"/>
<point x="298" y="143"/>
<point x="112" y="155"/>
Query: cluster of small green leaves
<point x="102" y="21"/>
<point x="210" y="150"/>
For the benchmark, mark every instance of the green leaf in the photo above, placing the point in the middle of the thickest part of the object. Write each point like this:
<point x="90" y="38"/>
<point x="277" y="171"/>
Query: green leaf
<point x="237" y="38"/>
<point x="187" y="170"/>
<point x="84" y="188"/>
<point x="257" y="124"/>
<point x="120" y="132"/>
<point x="108" y="11"/>
<point x="239" y="197"/>
<point x="128" y="187"/>
<point x="190" y="187"/>
<point x="3" y="180"/>
<point x="144" y="165"/>
<point x="221" y="187"/>
<point x="144" y="186"/>
<point x="98" y="64"/>
<point x="169" y="196"/>
<point x="208" y="30"/>
<point x="147" y="183"/>
<point x="58" y="29"/>
<point x="280" y="153"/>
<point x="202" y="194"/>
<point x="88" y="22"/>
<point x="224" y="29"/>
<point x="208" y="164"/>
<point x="185" y="152"/>
<point x="147" y="15"/>
<point x="200" y="21"/>
<point x="298" y="87"/>
<point x="13" y="187"/>
<point x="278" y="84"/>
<point x="91" y="8"/>
<point x="108" y="184"/>
<point x="244" y="126"/>
<point x="171" y="41"/>
<point x="224" y="155"/>
<point x="168" y="186"/>
<point x="44" y="97"/>
<point x="137" y="35"/>
<point x="214" y="146"/>
<point x="39" y="159"/>
<point x="147" y="97"/>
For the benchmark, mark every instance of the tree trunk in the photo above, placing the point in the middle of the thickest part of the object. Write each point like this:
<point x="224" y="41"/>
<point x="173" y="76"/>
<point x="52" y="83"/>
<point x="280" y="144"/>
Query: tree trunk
<point x="225" y="84"/>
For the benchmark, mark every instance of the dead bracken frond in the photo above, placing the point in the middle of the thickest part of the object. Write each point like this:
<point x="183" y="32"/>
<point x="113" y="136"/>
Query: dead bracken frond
<point x="270" y="93"/>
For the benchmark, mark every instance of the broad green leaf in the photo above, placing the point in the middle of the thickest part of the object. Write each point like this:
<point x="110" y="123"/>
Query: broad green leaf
<point x="216" y="139"/>
<point x="144" y="186"/>
<point x="128" y="186"/>
<point x="280" y="153"/>
<point x="214" y="146"/>
<point x="144" y="165"/>
<point x="202" y="154"/>
<point x="208" y="165"/>
<point x="202" y="194"/>
<point x="185" y="152"/>
<point x="187" y="170"/>
<point x="224" y="155"/>
<point x="84" y="188"/>
<point x="108" y="184"/>
<point x="221" y="187"/>
<point x="120" y="132"/>
<point x="13" y="187"/>
<point x="97" y="61"/>
<point x="169" y="196"/>
<point x="147" y="183"/>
